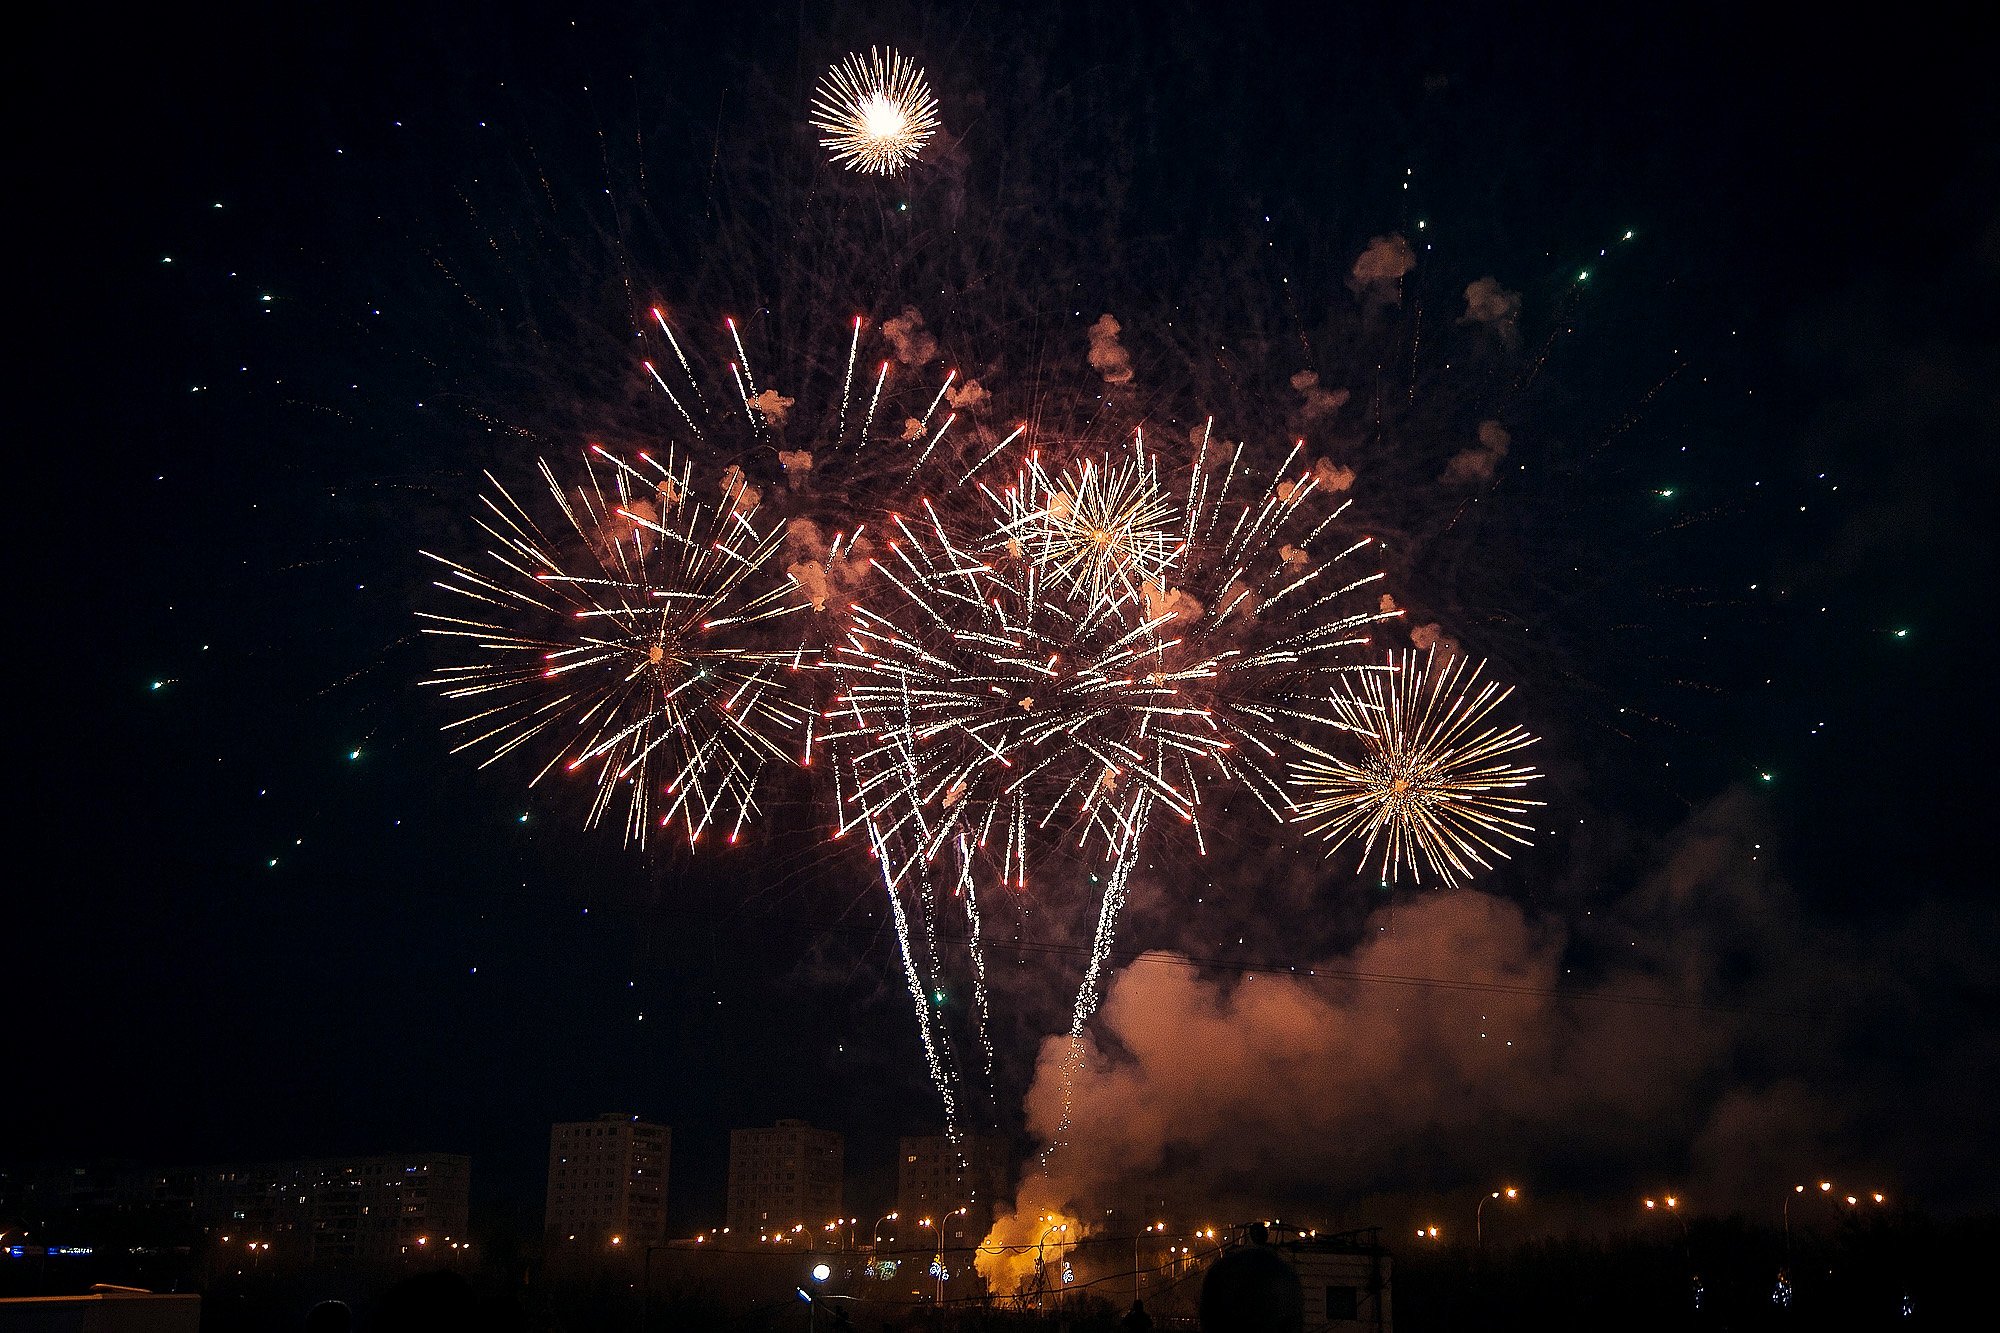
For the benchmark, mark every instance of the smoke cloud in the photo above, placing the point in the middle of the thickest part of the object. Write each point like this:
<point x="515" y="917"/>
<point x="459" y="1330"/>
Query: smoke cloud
<point x="1490" y="304"/>
<point x="821" y="576"/>
<point x="1479" y="462"/>
<point x="772" y="406"/>
<point x="1425" y="638"/>
<point x="967" y="397"/>
<point x="1108" y="356"/>
<point x="1169" y="601"/>
<point x="913" y="342"/>
<point x="737" y="492"/>
<point x="1378" y="273"/>
<point x="1327" y="476"/>
<point x="1317" y="402"/>
<point x="1442" y="1048"/>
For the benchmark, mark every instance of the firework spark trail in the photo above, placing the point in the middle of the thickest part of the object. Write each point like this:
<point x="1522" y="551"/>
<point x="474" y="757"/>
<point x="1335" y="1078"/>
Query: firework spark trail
<point x="1429" y="787"/>
<point x="630" y="641"/>
<point x="847" y="381"/>
<point x="977" y="703"/>
<point x="920" y="996"/>
<point x="970" y="892"/>
<point x="877" y="113"/>
<point x="1089" y="992"/>
<point x="660" y="317"/>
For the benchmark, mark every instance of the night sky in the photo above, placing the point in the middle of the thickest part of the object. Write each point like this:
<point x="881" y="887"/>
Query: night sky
<point x="294" y="280"/>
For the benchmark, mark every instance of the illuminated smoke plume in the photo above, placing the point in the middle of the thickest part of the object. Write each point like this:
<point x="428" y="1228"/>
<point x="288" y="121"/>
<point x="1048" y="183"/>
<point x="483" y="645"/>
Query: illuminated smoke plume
<point x="1169" y="602"/>
<point x="823" y="580"/>
<point x="796" y="463"/>
<point x="913" y="342"/>
<point x="1490" y="304"/>
<point x="772" y="406"/>
<point x="1426" y="637"/>
<point x="1363" y="1086"/>
<point x="1318" y="402"/>
<point x="1327" y="476"/>
<point x="1108" y="356"/>
<point x="1378" y="273"/>
<point x="737" y="492"/>
<point x="1479" y="462"/>
<point x="967" y="397"/>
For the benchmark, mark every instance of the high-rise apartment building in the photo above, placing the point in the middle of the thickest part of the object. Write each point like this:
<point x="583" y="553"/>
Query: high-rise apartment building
<point x="786" y="1176"/>
<point x="608" y="1182"/>
<point x="935" y="1178"/>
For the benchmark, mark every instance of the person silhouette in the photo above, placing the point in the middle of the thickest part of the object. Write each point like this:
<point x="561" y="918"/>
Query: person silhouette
<point x="1251" y="1289"/>
<point x="427" y="1303"/>
<point x="330" y="1317"/>
<point x="1136" y="1319"/>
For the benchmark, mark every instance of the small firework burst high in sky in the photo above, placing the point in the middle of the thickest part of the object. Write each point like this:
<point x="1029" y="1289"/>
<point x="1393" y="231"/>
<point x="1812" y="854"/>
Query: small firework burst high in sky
<point x="877" y="112"/>
<point x="1430" y="787"/>
<point x="630" y="643"/>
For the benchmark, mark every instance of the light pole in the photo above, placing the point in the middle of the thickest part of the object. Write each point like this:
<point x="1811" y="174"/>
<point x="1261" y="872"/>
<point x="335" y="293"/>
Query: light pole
<point x="1041" y="1268"/>
<point x="875" y="1235"/>
<point x="1478" y="1222"/>
<point x="937" y="1255"/>
<point x="938" y="1263"/>
<point x="1672" y="1204"/>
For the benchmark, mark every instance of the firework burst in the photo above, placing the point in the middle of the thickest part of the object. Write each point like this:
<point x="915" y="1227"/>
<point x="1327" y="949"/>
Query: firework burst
<point x="876" y="114"/>
<point x="629" y="641"/>
<point x="1099" y="528"/>
<point x="984" y="704"/>
<point x="1430" y="788"/>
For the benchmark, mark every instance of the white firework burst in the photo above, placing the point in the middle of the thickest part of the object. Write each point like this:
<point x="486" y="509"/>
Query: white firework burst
<point x="876" y="113"/>
<point x="1430" y="787"/>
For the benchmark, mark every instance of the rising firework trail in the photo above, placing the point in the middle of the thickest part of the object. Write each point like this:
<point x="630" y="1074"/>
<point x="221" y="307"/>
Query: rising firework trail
<point x="1431" y="787"/>
<point x="629" y="640"/>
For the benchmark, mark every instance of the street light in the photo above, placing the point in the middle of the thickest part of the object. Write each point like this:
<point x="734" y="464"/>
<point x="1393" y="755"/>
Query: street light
<point x="1672" y="1204"/>
<point x="876" y="1234"/>
<point x="1041" y="1280"/>
<point x="1478" y="1222"/>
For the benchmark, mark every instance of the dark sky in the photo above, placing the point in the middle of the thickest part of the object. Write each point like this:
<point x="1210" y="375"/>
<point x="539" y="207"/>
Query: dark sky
<point x="295" y="279"/>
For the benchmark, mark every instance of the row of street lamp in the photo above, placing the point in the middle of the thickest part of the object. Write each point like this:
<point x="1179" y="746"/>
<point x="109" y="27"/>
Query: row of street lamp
<point x="1670" y="1203"/>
